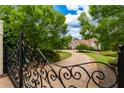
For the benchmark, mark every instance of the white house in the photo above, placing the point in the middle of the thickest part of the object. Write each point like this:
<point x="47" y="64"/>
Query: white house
<point x="90" y="42"/>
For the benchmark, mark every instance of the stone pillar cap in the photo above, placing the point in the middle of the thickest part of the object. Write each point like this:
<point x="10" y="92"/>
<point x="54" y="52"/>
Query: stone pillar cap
<point x="1" y="21"/>
<point x="1" y="29"/>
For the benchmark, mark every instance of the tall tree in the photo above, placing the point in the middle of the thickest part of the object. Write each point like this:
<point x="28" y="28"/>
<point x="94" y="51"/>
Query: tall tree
<point x="87" y="30"/>
<point x="109" y="29"/>
<point x="43" y="26"/>
<point x="65" y="42"/>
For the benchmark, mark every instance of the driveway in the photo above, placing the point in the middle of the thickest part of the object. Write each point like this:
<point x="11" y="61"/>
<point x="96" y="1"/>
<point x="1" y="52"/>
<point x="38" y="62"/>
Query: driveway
<point x="69" y="75"/>
<point x="76" y="58"/>
<point x="5" y="82"/>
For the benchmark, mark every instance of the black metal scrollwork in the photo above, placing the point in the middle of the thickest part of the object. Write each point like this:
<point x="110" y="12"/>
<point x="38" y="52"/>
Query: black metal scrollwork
<point x="13" y="66"/>
<point x="38" y="72"/>
<point x="47" y="74"/>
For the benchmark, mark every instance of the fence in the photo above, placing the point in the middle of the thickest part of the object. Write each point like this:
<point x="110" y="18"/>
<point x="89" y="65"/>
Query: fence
<point x="27" y="67"/>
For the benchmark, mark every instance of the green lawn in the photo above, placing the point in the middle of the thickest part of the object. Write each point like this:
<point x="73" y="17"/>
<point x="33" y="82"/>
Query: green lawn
<point x="105" y="56"/>
<point x="64" y="55"/>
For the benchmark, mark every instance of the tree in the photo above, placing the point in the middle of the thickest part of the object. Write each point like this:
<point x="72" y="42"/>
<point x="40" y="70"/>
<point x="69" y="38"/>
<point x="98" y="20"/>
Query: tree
<point x="65" y="41"/>
<point x="109" y="29"/>
<point x="110" y="25"/>
<point x="87" y="29"/>
<point x="99" y="12"/>
<point x="81" y="47"/>
<point x="42" y="25"/>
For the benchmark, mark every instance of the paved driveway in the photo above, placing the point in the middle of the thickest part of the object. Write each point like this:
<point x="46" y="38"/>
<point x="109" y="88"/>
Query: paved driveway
<point x="69" y="75"/>
<point x="76" y="58"/>
<point x="5" y="82"/>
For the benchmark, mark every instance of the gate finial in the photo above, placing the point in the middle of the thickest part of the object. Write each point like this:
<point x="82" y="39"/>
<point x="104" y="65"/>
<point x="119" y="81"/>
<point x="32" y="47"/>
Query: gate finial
<point x="121" y="48"/>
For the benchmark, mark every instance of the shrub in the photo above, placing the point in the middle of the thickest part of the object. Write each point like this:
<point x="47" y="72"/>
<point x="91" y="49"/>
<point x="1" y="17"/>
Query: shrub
<point x="84" y="47"/>
<point x="109" y="53"/>
<point x="81" y="47"/>
<point x="91" y="48"/>
<point x="51" y="55"/>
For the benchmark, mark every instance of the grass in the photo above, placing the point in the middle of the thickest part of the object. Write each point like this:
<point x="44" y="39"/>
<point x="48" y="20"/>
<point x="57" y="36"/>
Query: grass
<point x="109" y="53"/>
<point x="64" y="55"/>
<point x="105" y="56"/>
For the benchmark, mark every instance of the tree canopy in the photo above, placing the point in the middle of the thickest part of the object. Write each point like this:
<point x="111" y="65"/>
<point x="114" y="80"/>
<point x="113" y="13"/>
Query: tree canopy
<point x="43" y="26"/>
<point x="109" y="28"/>
<point x="87" y="30"/>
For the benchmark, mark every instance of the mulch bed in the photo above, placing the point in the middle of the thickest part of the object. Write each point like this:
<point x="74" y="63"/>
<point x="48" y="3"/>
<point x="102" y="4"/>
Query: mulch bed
<point x="3" y="75"/>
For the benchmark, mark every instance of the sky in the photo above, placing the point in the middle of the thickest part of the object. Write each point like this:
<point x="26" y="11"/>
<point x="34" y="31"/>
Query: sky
<point x="72" y="12"/>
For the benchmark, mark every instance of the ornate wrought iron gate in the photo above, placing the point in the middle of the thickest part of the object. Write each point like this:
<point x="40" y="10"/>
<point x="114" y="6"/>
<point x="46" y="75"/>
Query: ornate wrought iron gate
<point x="29" y="68"/>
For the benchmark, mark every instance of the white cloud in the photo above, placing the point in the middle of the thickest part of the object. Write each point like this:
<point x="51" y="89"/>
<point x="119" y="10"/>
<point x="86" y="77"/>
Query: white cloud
<point x="75" y="29"/>
<point x="74" y="32"/>
<point x="74" y="7"/>
<point x="73" y="25"/>
<point x="79" y="12"/>
<point x="72" y="20"/>
<point x="86" y="10"/>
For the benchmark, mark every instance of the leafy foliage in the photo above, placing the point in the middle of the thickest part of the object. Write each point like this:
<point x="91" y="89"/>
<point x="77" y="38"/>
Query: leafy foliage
<point x="109" y="53"/>
<point x="43" y="26"/>
<point x="64" y="55"/>
<point x="109" y="29"/>
<point x="65" y="41"/>
<point x="51" y="55"/>
<point x="101" y="58"/>
<point x="87" y="29"/>
<point x="81" y="47"/>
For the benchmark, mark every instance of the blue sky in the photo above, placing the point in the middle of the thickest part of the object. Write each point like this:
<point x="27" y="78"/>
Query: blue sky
<point x="72" y="12"/>
<point x="63" y="9"/>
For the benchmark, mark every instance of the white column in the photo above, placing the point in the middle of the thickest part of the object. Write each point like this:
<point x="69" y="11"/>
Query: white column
<point x="1" y="47"/>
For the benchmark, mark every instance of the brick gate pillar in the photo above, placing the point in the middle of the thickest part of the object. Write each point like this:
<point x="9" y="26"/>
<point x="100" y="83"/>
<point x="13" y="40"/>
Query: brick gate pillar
<point x="1" y="47"/>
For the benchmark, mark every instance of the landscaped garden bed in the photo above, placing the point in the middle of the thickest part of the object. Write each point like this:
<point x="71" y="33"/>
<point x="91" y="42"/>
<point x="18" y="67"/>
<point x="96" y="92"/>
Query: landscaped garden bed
<point x="105" y="56"/>
<point x="55" y="56"/>
<point x="64" y="55"/>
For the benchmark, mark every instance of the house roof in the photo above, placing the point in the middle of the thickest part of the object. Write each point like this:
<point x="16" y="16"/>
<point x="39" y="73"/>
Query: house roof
<point x="88" y="42"/>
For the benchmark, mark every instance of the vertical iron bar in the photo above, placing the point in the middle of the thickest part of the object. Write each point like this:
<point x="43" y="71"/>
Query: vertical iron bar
<point x="21" y="60"/>
<point x="120" y="65"/>
<point x="5" y="58"/>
